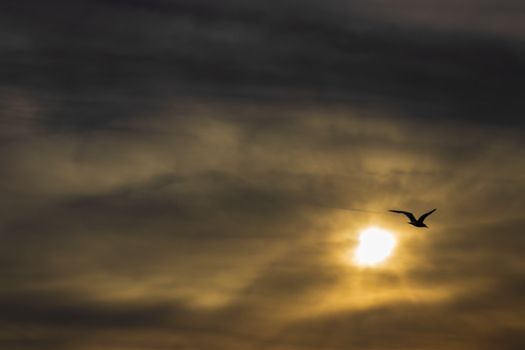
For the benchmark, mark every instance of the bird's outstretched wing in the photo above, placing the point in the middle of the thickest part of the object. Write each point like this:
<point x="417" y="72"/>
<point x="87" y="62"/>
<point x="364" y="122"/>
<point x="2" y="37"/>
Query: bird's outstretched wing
<point x="423" y="217"/>
<point x="409" y="215"/>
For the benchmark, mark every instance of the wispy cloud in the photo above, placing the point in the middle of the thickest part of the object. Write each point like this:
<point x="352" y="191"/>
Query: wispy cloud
<point x="171" y="174"/>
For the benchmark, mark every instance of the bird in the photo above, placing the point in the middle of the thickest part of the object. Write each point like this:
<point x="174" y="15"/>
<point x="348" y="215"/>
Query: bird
<point x="413" y="221"/>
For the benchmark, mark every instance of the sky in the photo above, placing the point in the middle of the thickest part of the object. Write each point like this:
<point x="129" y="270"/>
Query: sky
<point x="194" y="175"/>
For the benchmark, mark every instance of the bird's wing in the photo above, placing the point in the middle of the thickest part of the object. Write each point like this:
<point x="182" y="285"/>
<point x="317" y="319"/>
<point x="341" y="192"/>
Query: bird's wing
<point x="423" y="217"/>
<point x="409" y="215"/>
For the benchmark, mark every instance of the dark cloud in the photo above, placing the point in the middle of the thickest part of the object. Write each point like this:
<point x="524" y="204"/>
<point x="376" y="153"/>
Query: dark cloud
<point x="58" y="310"/>
<point x="94" y="64"/>
<point x="185" y="174"/>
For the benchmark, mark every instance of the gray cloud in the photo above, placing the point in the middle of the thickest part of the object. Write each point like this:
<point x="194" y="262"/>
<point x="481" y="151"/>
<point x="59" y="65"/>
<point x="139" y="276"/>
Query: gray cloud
<point x="93" y="71"/>
<point x="174" y="175"/>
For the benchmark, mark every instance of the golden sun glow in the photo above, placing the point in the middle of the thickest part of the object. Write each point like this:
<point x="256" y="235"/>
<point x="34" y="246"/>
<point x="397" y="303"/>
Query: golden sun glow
<point x="375" y="246"/>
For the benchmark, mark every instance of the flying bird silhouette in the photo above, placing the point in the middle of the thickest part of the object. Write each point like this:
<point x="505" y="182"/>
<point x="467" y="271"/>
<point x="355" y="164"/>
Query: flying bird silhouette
<point x="413" y="221"/>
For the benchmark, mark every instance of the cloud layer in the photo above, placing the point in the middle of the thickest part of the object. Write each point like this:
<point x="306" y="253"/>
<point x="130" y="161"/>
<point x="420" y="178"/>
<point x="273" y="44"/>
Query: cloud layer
<point x="175" y="176"/>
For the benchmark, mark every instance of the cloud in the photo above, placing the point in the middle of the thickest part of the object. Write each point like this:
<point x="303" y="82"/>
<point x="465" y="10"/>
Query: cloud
<point x="503" y="18"/>
<point x="219" y="224"/>
<point x="173" y="174"/>
<point x="93" y="73"/>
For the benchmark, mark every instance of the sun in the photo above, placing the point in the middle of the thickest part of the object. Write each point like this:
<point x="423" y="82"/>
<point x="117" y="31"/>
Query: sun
<point x="375" y="246"/>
